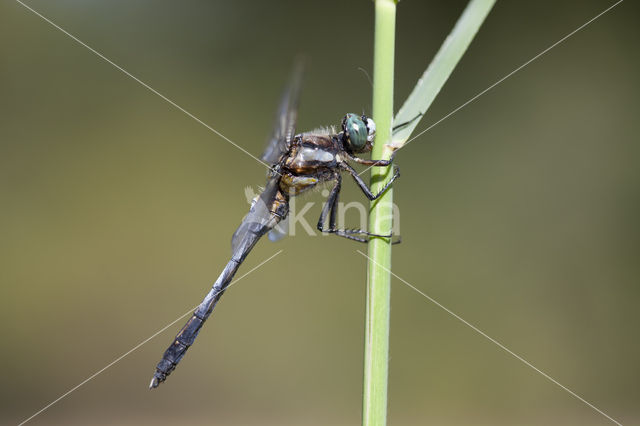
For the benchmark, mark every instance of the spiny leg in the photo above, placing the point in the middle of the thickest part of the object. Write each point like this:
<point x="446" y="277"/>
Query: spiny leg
<point x="363" y="186"/>
<point x="370" y="195"/>
<point x="378" y="163"/>
<point x="333" y="203"/>
<point x="374" y="163"/>
<point x="330" y="208"/>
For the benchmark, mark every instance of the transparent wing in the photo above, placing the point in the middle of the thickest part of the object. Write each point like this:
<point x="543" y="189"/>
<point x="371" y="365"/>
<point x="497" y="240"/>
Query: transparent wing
<point x="259" y="215"/>
<point x="279" y="231"/>
<point x="285" y="125"/>
<point x="259" y="219"/>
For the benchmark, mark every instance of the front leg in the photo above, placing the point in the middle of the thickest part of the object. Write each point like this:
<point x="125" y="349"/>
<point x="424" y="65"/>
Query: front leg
<point x="363" y="186"/>
<point x="372" y="163"/>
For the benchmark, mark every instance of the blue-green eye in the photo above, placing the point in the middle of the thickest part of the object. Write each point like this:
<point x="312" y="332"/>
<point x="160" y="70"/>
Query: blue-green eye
<point x="356" y="131"/>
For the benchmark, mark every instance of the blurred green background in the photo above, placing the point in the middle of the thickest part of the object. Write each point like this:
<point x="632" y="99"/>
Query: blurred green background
<point x="519" y="213"/>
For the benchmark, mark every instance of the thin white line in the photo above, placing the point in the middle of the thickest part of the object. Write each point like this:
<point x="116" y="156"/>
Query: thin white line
<point x="142" y="83"/>
<point x="137" y="346"/>
<point x="491" y="339"/>
<point x="506" y="77"/>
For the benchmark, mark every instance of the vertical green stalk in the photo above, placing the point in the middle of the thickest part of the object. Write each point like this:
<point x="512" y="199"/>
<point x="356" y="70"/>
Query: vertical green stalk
<point x="376" y="355"/>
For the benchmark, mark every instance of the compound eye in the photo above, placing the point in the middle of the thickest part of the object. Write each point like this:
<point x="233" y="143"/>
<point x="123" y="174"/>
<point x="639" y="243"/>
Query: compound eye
<point x="371" y="127"/>
<point x="356" y="132"/>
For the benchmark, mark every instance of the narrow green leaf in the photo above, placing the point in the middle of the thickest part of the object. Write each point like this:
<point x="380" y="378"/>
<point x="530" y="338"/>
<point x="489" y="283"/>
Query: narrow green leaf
<point x="439" y="70"/>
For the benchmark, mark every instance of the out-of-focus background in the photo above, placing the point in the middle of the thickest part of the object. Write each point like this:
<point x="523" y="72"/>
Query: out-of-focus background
<point x="519" y="213"/>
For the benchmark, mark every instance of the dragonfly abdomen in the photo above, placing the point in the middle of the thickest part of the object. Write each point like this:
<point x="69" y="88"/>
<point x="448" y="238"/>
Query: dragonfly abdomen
<point x="187" y="335"/>
<point x="245" y="238"/>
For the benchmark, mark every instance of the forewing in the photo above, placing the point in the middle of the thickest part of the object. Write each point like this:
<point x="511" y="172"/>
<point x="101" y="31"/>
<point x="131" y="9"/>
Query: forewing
<point x="285" y="125"/>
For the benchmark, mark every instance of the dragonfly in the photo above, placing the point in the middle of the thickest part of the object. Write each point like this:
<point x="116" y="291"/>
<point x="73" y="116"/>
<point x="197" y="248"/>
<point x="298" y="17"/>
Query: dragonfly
<point x="298" y="163"/>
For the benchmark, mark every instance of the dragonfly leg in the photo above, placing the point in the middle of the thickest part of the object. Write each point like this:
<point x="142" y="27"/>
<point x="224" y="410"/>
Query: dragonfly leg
<point x="330" y="208"/>
<point x="377" y="163"/>
<point x="363" y="186"/>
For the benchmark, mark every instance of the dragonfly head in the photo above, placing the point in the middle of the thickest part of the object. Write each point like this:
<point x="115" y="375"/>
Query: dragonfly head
<point x="358" y="133"/>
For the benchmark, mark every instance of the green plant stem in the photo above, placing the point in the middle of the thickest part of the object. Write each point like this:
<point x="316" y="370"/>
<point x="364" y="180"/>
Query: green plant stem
<point x="376" y="356"/>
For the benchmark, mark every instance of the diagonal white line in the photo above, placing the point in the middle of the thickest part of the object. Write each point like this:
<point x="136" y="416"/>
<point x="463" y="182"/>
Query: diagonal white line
<point x="135" y="347"/>
<point x="494" y="341"/>
<point x="142" y="83"/>
<point x="506" y="77"/>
